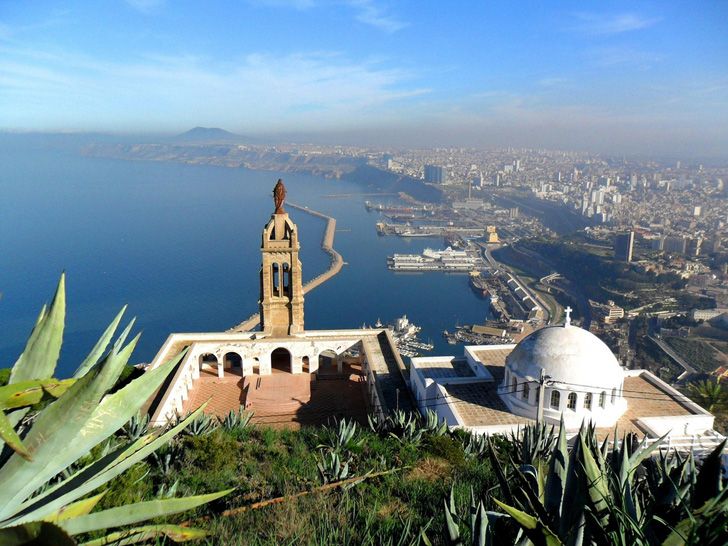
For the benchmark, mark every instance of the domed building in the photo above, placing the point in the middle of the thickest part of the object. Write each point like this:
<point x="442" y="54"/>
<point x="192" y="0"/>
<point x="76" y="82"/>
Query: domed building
<point x="554" y="372"/>
<point x="582" y="379"/>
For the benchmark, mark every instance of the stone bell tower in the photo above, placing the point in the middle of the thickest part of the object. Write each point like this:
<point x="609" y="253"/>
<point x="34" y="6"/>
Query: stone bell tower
<point x="281" y="285"/>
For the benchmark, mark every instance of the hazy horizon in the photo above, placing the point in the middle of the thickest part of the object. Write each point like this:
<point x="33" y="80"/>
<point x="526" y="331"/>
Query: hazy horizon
<point x="648" y="79"/>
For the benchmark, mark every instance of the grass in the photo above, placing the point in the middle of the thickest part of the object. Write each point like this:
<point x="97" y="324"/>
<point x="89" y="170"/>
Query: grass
<point x="263" y="463"/>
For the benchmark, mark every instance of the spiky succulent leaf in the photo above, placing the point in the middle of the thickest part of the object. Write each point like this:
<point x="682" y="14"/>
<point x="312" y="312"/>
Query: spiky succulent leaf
<point x="558" y="468"/>
<point x="41" y="352"/>
<point x="97" y="473"/>
<point x="535" y="529"/>
<point x="146" y="533"/>
<point x="134" y="513"/>
<point x="49" y="439"/>
<point x="35" y="533"/>
<point x="597" y="485"/>
<point x="98" y="350"/>
<point x="75" y="509"/>
<point x="11" y="438"/>
<point x="453" y="530"/>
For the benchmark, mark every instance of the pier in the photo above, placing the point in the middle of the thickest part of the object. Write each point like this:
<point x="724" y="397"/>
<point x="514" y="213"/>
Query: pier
<point x="327" y="245"/>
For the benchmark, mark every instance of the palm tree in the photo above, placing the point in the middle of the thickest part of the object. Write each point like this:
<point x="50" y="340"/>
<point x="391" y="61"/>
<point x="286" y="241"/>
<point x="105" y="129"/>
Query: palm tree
<point x="710" y="394"/>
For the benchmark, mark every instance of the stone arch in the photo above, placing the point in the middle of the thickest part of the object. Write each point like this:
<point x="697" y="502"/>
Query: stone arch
<point x="233" y="360"/>
<point x="327" y="359"/>
<point x="207" y="358"/>
<point x="281" y="360"/>
<point x="306" y="364"/>
<point x="256" y="365"/>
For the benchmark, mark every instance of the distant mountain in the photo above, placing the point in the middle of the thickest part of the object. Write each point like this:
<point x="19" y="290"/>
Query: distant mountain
<point x="208" y="134"/>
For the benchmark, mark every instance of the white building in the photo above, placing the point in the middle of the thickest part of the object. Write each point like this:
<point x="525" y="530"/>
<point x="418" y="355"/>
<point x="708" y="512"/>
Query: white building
<point x="556" y="371"/>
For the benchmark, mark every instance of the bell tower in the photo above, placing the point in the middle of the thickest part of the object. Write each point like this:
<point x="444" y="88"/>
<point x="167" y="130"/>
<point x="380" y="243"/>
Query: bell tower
<point x="281" y="285"/>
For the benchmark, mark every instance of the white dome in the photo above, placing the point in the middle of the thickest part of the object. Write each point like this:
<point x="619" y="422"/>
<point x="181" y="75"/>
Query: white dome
<point x="569" y="355"/>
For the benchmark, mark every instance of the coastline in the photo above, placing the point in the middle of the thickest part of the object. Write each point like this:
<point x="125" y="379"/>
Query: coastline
<point x="327" y="245"/>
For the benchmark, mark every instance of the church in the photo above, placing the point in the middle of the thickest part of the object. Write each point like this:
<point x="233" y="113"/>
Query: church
<point x="286" y="375"/>
<point x="557" y="371"/>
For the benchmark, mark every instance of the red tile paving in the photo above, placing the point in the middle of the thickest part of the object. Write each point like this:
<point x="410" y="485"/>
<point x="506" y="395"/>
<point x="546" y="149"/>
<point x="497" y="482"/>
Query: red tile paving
<point x="283" y="399"/>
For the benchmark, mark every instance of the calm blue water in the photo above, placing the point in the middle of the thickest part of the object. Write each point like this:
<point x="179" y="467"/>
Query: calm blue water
<point x="180" y="245"/>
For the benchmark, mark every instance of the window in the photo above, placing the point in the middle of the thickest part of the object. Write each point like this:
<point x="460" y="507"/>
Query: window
<point x="526" y="390"/>
<point x="571" y="401"/>
<point x="514" y="386"/>
<point x="555" y="399"/>
<point x="602" y="399"/>
<point x="614" y="396"/>
<point x="588" y="401"/>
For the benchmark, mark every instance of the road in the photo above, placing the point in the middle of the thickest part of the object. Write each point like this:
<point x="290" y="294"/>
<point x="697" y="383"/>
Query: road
<point x="672" y="354"/>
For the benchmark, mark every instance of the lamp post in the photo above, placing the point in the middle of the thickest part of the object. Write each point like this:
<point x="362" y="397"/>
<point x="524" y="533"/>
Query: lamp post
<point x="542" y="381"/>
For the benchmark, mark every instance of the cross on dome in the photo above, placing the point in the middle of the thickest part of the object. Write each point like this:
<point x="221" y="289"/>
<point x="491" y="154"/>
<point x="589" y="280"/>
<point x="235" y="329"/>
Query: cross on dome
<point x="568" y="311"/>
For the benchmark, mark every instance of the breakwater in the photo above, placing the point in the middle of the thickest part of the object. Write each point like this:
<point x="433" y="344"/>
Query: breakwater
<point x="327" y="245"/>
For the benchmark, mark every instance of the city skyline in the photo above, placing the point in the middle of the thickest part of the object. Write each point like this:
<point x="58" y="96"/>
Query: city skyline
<point x="647" y="79"/>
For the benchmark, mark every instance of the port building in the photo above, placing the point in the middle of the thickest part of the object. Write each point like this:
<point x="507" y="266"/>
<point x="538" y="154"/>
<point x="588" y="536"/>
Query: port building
<point x="285" y="374"/>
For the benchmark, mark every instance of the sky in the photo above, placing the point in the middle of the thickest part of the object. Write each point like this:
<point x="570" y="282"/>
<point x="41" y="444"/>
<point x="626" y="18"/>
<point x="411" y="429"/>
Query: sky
<point x="624" y="77"/>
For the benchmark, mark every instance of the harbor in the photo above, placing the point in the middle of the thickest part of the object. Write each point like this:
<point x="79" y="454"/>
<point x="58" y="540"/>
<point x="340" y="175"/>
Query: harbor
<point x="405" y="335"/>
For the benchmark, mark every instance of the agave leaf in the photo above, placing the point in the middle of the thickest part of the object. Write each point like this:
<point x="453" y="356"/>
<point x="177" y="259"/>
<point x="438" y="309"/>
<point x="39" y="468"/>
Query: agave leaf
<point x="134" y="513"/>
<point x="708" y="483"/>
<point x="76" y="509"/>
<point x="482" y="538"/>
<point x="27" y="393"/>
<point x="558" y="467"/>
<point x="49" y="435"/>
<point x="37" y="532"/>
<point x="116" y="409"/>
<point x="643" y="452"/>
<point x="11" y="438"/>
<point x="453" y="531"/>
<point x="48" y="439"/>
<point x="41" y="352"/>
<point x="147" y="533"/>
<point x="596" y="482"/>
<point x="98" y="473"/>
<point x="98" y="350"/>
<point x="539" y="533"/>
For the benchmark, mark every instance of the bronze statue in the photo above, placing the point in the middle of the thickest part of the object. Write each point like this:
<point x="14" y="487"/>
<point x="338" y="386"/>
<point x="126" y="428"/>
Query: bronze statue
<point x="279" y="196"/>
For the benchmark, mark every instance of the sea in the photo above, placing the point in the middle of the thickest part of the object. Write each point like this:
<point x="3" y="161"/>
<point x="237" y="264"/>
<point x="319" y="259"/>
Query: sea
<point x="180" y="245"/>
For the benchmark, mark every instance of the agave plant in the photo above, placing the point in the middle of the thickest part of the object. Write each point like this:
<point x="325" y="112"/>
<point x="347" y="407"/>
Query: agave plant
<point x="236" y="420"/>
<point x="591" y="495"/>
<point x="434" y="425"/>
<point x="202" y="425"/>
<point x="342" y="438"/>
<point x="37" y="500"/>
<point x="402" y="425"/>
<point x="332" y="468"/>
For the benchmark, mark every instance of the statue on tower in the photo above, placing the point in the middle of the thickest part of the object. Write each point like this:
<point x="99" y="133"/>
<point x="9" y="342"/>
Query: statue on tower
<point x="279" y="196"/>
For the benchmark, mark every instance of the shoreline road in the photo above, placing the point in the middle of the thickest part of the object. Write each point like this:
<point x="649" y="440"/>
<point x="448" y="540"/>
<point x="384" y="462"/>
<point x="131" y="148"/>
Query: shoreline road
<point x="327" y="245"/>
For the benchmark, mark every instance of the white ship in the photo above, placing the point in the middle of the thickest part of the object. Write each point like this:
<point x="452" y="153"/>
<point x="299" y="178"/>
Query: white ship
<point x="435" y="260"/>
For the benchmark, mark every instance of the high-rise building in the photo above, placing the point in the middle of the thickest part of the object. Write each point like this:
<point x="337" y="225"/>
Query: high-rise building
<point x="675" y="245"/>
<point x="434" y="174"/>
<point x="623" y="246"/>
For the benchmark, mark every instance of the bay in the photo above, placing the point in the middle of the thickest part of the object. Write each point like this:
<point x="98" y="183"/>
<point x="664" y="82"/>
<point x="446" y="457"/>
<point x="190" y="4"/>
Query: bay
<point x="180" y="245"/>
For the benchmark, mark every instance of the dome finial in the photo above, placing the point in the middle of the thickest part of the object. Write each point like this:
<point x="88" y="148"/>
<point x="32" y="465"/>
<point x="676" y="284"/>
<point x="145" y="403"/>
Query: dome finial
<point x="567" y="321"/>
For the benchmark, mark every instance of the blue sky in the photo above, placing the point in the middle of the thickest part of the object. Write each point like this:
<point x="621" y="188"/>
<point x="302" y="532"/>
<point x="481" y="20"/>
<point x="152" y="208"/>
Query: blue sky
<point x="610" y="76"/>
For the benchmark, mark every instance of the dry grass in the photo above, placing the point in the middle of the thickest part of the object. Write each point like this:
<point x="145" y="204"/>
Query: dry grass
<point x="430" y="469"/>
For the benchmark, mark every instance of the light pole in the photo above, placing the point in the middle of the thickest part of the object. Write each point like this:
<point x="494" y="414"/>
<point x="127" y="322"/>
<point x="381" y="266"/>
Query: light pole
<point x="542" y="381"/>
